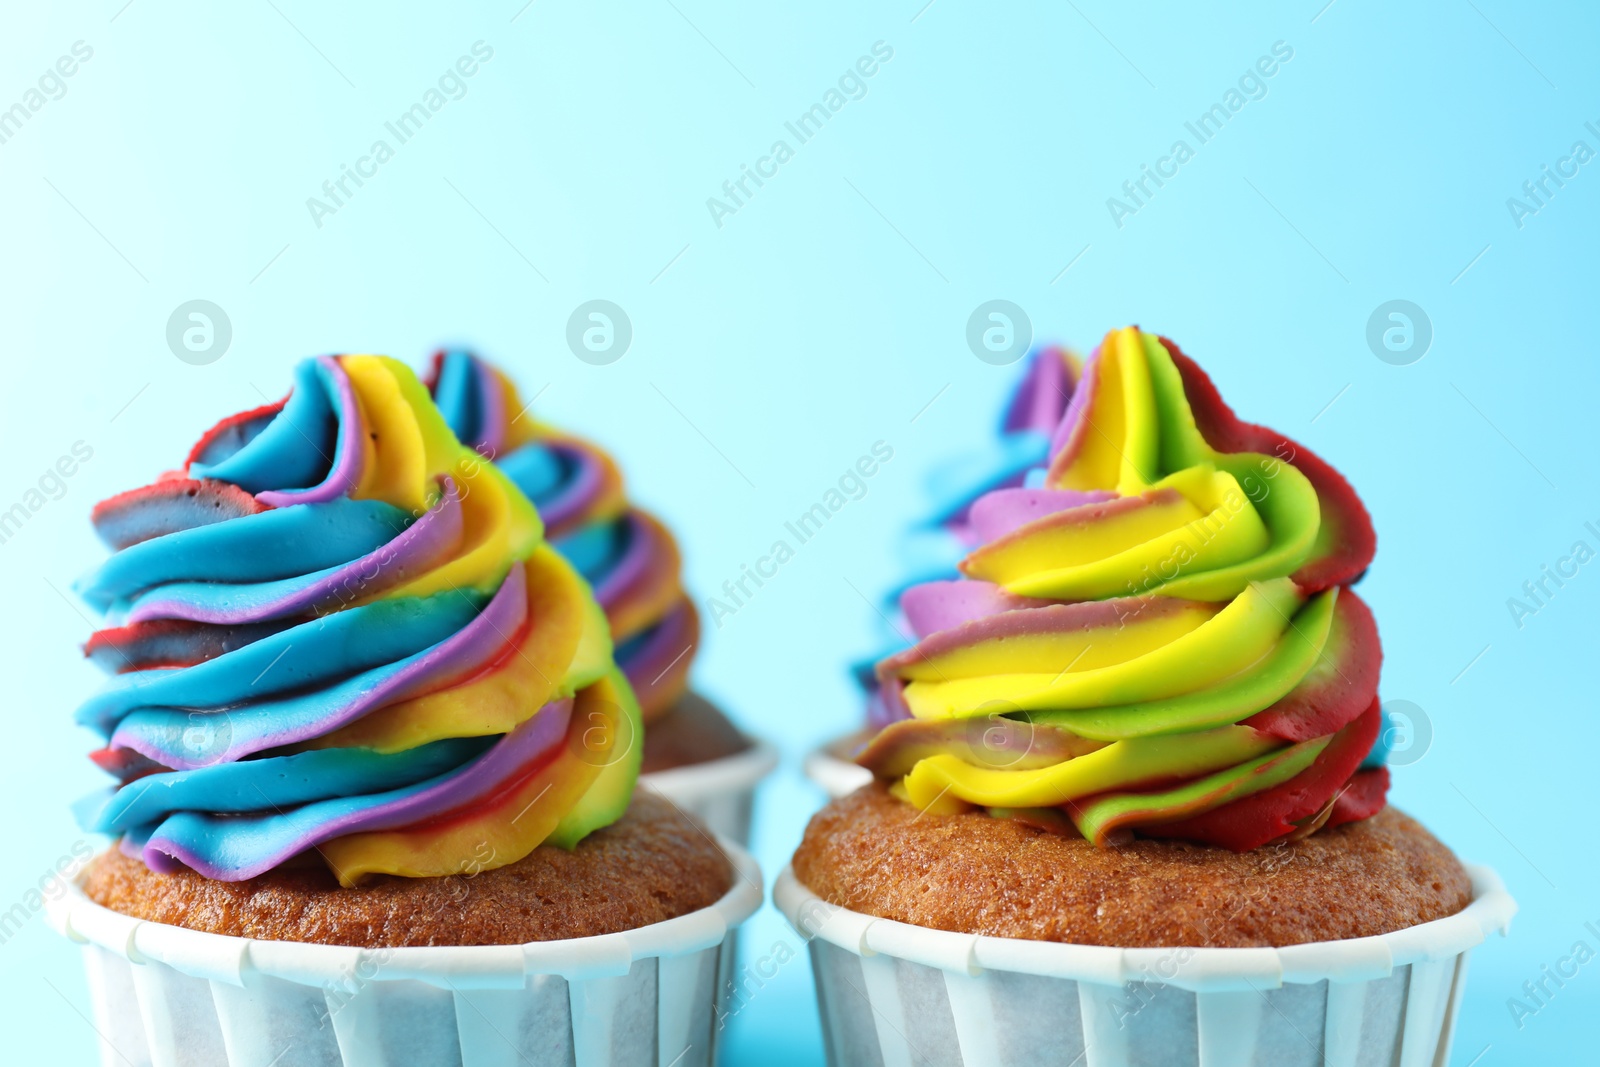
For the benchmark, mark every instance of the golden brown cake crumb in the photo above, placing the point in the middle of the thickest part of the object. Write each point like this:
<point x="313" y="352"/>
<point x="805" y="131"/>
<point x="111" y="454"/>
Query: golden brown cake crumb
<point x="691" y="731"/>
<point x="975" y="874"/>
<point x="651" y="865"/>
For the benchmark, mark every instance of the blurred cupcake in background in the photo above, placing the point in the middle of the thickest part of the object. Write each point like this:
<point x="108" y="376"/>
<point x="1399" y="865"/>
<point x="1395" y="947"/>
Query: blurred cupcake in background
<point x="693" y="753"/>
<point x="933" y="548"/>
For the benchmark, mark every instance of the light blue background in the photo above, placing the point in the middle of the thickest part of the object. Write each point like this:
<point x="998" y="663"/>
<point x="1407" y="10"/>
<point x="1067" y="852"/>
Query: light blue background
<point x="827" y="313"/>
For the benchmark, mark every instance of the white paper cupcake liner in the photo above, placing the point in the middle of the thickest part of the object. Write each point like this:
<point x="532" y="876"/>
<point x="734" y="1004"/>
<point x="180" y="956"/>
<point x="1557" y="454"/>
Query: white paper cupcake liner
<point x="892" y="994"/>
<point x="720" y="792"/>
<point x="836" y="777"/>
<point x="164" y="996"/>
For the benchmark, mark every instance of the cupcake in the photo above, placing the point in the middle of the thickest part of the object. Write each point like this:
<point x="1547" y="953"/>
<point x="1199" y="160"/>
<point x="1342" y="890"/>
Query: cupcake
<point x="374" y="766"/>
<point x="933" y="547"/>
<point x="1131" y="803"/>
<point x="693" y="754"/>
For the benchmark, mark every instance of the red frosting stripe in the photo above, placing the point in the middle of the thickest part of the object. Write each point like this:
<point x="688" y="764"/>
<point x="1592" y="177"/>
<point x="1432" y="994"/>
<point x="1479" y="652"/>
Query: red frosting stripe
<point x="1346" y="541"/>
<point x="1362" y="797"/>
<point x="1273" y="813"/>
<point x="166" y="506"/>
<point x="152" y="643"/>
<point x="234" y="426"/>
<point x="1339" y="687"/>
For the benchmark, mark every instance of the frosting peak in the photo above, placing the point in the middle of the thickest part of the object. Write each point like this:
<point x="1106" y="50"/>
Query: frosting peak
<point x="339" y="633"/>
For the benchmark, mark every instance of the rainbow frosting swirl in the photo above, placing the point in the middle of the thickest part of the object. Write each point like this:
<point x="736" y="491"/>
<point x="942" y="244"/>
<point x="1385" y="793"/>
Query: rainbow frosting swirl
<point x="338" y="632"/>
<point x="1155" y="634"/>
<point x="625" y="553"/>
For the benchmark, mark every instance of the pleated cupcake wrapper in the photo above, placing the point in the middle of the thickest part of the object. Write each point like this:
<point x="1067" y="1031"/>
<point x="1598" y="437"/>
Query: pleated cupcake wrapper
<point x="896" y="995"/>
<point x="834" y="776"/>
<point x="164" y="996"/>
<point x="720" y="792"/>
